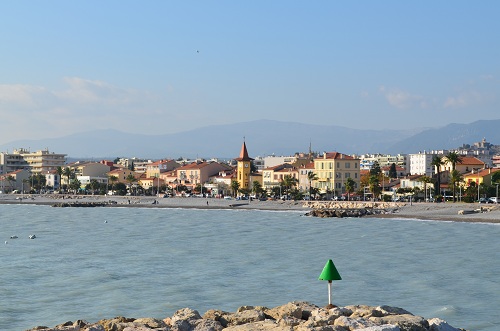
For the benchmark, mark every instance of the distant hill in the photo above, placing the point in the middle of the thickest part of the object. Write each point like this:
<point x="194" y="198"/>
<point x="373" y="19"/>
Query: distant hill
<point x="450" y="136"/>
<point x="263" y="137"/>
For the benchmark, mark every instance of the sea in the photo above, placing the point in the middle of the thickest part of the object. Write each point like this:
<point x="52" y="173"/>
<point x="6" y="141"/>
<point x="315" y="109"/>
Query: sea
<point x="99" y="263"/>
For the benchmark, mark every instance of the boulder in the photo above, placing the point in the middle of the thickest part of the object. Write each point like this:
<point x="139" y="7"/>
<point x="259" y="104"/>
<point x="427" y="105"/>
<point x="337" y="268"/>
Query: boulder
<point x="436" y="324"/>
<point x="406" y="322"/>
<point x="291" y="309"/>
<point x="246" y="316"/>
<point x="387" y="327"/>
<point x="353" y="323"/>
<point x="267" y="325"/>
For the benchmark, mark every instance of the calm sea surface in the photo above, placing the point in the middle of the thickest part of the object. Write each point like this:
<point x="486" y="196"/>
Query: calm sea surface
<point x="94" y="263"/>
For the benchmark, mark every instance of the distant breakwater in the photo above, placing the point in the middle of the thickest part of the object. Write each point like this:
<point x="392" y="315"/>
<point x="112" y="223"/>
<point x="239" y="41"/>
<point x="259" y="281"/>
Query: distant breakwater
<point x="84" y="204"/>
<point x="300" y="316"/>
<point x="324" y="209"/>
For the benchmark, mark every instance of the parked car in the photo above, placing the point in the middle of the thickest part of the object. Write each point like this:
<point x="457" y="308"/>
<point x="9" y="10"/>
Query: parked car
<point x="493" y="200"/>
<point x="483" y="200"/>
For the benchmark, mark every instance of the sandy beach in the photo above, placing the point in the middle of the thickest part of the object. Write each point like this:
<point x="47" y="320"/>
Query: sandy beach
<point x="488" y="213"/>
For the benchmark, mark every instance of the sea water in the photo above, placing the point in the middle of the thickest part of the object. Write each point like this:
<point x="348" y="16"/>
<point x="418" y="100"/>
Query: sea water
<point x="95" y="263"/>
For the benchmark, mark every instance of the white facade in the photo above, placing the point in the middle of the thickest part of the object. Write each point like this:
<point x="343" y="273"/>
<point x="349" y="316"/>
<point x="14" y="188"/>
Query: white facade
<point x="420" y="164"/>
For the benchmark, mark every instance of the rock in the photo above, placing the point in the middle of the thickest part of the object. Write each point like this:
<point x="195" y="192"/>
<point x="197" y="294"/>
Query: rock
<point x="387" y="327"/>
<point x="151" y="323"/>
<point x="218" y="316"/>
<point x="291" y="309"/>
<point x="436" y="324"/>
<point x="353" y="323"/>
<point x="246" y="316"/>
<point x="406" y="322"/>
<point x="267" y="325"/>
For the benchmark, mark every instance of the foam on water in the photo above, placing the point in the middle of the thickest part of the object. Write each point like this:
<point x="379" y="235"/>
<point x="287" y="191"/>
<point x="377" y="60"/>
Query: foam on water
<point x="150" y="262"/>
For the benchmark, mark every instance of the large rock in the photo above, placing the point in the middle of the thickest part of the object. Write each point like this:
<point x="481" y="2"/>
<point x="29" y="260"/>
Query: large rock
<point x="267" y="325"/>
<point x="436" y="324"/>
<point x="406" y="322"/>
<point x="353" y="323"/>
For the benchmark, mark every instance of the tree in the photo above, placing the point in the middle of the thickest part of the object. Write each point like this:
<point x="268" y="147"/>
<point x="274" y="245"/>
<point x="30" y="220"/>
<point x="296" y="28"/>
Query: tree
<point x="113" y="180"/>
<point x="68" y="173"/>
<point x="256" y="188"/>
<point x="75" y="185"/>
<point x="94" y="185"/>
<point x="426" y="180"/>
<point x="10" y="179"/>
<point x="453" y="158"/>
<point x="130" y="180"/>
<point x="455" y="178"/>
<point x="235" y="186"/>
<point x="392" y="171"/>
<point x="311" y="176"/>
<point x="374" y="184"/>
<point x="375" y="169"/>
<point x="60" y="173"/>
<point x="289" y="182"/>
<point x="437" y="162"/>
<point x="349" y="187"/>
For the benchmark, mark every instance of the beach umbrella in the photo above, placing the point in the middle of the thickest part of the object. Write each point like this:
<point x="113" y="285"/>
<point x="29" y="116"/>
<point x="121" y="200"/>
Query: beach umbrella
<point x="329" y="273"/>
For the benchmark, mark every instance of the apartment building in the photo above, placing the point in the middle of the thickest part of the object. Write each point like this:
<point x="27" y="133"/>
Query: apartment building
<point x="41" y="161"/>
<point x="333" y="169"/>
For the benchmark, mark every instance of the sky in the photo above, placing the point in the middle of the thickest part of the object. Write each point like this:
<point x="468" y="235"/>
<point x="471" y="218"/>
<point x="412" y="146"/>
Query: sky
<point x="157" y="67"/>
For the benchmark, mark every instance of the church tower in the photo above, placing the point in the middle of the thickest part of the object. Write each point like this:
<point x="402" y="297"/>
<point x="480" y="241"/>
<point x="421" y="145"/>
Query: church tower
<point x="243" y="172"/>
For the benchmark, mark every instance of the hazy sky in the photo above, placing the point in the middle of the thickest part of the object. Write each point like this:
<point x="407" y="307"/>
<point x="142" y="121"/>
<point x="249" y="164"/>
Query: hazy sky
<point x="157" y="67"/>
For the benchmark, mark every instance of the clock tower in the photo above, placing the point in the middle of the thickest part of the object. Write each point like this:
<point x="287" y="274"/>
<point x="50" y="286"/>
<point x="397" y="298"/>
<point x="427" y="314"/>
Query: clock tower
<point x="243" y="171"/>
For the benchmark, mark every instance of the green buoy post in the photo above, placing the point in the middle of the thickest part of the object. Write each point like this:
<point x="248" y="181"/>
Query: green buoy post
<point x="330" y="273"/>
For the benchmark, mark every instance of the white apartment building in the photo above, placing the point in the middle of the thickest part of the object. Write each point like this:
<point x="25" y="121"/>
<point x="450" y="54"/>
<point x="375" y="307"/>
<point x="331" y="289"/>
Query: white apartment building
<point x="420" y="164"/>
<point x="384" y="160"/>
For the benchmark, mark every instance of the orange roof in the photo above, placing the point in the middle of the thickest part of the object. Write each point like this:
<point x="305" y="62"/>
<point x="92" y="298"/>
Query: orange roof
<point x="244" y="154"/>
<point x="470" y="160"/>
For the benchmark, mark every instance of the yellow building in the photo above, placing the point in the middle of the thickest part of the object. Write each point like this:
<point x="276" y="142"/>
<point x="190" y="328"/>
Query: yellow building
<point x="333" y="170"/>
<point x="243" y="169"/>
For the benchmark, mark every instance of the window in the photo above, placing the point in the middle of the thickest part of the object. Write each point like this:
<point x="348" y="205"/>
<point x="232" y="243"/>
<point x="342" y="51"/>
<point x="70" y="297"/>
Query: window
<point x="348" y="165"/>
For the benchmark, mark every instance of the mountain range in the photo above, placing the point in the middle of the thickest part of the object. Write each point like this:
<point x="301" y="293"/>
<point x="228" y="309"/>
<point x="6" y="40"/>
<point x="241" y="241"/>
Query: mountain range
<point x="262" y="137"/>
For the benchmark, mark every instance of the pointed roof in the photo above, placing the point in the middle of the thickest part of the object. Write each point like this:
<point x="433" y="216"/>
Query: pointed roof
<point x="244" y="154"/>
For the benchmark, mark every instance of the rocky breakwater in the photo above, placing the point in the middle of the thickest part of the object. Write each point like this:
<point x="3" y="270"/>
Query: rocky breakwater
<point x="293" y="316"/>
<point x="351" y="208"/>
<point x="84" y="204"/>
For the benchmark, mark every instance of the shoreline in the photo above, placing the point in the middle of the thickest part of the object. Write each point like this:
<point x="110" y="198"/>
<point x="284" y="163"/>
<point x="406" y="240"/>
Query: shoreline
<point x="483" y="213"/>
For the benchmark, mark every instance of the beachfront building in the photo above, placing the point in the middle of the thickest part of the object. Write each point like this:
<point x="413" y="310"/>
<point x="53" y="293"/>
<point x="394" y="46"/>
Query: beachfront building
<point x="480" y="176"/>
<point x="15" y="181"/>
<point x="366" y="161"/>
<point x="198" y="173"/>
<point x="420" y="163"/>
<point x="273" y="176"/>
<point x="243" y="168"/>
<point x="38" y="162"/>
<point x="154" y="169"/>
<point x="333" y="169"/>
<point x="466" y="164"/>
<point x="303" y="176"/>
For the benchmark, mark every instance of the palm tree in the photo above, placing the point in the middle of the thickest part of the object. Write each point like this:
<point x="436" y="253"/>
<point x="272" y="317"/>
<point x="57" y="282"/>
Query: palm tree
<point x="453" y="158"/>
<point x="374" y="183"/>
<point x="289" y="182"/>
<point x="311" y="176"/>
<point x="10" y="179"/>
<point x="60" y="173"/>
<point x="113" y="180"/>
<point x="426" y="180"/>
<point x="349" y="187"/>
<point x="130" y="179"/>
<point x="235" y="186"/>
<point x="455" y="178"/>
<point x="68" y="173"/>
<point x="437" y="162"/>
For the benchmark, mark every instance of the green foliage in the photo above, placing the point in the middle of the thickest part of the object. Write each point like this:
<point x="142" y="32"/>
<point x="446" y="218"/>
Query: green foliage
<point x="375" y="170"/>
<point x="392" y="171"/>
